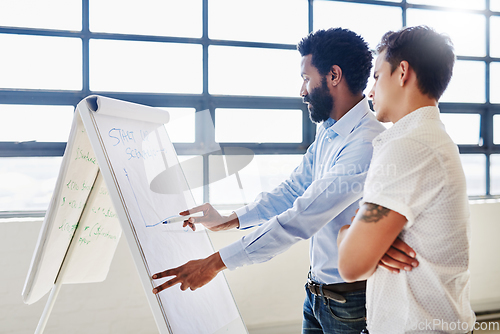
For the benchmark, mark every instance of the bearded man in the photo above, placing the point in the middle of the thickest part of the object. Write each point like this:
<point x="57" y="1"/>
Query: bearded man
<point x="319" y="197"/>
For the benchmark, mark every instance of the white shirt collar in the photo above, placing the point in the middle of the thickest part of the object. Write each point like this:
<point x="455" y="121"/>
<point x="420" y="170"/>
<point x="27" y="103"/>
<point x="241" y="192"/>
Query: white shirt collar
<point x="407" y="123"/>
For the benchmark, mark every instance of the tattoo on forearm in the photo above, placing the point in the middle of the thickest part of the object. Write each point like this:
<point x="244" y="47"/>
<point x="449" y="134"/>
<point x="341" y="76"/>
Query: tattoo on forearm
<point x="373" y="213"/>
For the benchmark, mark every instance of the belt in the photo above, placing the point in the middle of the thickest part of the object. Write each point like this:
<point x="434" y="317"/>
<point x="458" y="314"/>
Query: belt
<point x="334" y="291"/>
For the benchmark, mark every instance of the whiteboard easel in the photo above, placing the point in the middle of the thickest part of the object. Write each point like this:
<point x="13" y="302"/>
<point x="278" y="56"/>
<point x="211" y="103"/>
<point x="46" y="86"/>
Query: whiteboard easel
<point x="128" y="147"/>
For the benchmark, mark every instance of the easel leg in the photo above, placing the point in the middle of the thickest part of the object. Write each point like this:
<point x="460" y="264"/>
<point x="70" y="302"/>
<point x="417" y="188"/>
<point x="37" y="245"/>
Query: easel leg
<point x="48" y="308"/>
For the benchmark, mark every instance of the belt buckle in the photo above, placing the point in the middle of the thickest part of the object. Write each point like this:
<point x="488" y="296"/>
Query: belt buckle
<point x="312" y="286"/>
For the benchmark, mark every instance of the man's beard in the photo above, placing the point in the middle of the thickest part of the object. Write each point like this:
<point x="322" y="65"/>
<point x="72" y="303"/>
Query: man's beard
<point x="320" y="103"/>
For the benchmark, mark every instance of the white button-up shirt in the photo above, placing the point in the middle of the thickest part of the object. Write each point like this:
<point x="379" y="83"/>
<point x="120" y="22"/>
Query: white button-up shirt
<point x="416" y="171"/>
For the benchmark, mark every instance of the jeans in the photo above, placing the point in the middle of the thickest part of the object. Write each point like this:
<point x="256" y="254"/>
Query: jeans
<point x="322" y="315"/>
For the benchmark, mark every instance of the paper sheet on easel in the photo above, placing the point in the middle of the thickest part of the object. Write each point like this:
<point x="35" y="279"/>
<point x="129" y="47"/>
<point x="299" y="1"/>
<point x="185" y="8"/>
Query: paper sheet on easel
<point x="138" y="151"/>
<point x="80" y="204"/>
<point x="95" y="239"/>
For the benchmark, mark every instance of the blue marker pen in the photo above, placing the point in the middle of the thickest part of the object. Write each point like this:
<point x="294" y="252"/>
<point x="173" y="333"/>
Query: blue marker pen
<point x="179" y="218"/>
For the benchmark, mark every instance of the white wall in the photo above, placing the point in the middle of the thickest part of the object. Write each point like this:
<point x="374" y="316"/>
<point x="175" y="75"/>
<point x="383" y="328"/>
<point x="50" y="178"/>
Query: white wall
<point x="114" y="306"/>
<point x="485" y="256"/>
<point x="269" y="294"/>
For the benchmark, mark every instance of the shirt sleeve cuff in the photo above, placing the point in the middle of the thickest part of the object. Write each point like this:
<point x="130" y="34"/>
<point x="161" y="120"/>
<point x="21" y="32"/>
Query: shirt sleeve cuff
<point x="234" y="255"/>
<point x="247" y="217"/>
<point x="391" y="204"/>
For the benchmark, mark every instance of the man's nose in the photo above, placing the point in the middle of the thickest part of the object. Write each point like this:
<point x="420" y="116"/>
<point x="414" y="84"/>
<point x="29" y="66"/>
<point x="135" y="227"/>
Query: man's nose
<point x="303" y="90"/>
<point x="372" y="93"/>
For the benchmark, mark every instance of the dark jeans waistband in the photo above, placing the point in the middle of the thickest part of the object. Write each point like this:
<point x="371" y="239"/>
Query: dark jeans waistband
<point x="335" y="291"/>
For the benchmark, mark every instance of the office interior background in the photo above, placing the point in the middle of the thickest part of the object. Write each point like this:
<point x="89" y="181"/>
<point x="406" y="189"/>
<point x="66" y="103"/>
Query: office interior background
<point x="237" y="59"/>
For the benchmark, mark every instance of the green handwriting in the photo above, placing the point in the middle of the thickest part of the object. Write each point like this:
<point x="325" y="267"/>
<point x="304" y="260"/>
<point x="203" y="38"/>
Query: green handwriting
<point x="83" y="241"/>
<point x="75" y="186"/>
<point x="72" y="185"/>
<point x="67" y="227"/>
<point x="106" y="212"/>
<point x="82" y="155"/>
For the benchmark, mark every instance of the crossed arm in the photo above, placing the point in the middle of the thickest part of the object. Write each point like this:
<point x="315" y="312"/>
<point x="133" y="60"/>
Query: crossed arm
<point x="369" y="240"/>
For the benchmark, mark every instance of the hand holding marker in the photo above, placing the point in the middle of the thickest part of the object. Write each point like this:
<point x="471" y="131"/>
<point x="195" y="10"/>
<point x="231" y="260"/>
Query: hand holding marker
<point x="211" y="218"/>
<point x="181" y="218"/>
<point x="206" y="215"/>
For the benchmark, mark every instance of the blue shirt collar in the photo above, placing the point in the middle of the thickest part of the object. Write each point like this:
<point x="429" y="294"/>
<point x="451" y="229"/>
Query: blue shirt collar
<point x="346" y="123"/>
<point x="328" y="123"/>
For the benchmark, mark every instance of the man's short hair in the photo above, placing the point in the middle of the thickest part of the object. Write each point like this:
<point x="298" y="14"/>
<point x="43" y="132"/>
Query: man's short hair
<point x="341" y="47"/>
<point x="429" y="54"/>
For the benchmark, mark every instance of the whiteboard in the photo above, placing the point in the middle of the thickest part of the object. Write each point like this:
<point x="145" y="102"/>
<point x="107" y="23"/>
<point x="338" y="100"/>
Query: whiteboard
<point x="132" y="149"/>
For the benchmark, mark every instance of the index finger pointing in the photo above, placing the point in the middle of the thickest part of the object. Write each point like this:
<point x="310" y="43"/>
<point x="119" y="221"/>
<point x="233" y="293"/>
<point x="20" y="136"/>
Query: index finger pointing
<point x="166" y="273"/>
<point x="166" y="285"/>
<point x="193" y="210"/>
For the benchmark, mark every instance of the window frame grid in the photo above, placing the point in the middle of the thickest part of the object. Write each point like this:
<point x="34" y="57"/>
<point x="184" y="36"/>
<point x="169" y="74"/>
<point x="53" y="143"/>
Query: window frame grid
<point x="207" y="101"/>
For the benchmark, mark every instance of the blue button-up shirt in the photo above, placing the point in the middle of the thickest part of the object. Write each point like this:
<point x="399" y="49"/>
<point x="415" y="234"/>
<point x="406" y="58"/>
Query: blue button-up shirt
<point x="320" y="196"/>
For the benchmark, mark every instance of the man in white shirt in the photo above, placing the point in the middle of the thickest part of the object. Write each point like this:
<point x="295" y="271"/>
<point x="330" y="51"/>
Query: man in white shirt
<point x="415" y="189"/>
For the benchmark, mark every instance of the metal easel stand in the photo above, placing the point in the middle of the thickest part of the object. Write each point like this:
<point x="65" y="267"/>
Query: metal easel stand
<point x="54" y="292"/>
<point x="48" y="307"/>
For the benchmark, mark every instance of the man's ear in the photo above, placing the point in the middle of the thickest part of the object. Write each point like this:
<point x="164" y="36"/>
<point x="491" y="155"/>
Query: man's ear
<point x="404" y="74"/>
<point x="335" y="75"/>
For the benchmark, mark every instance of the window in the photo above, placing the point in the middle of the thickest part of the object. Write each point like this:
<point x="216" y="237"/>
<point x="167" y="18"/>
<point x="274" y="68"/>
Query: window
<point x="495" y="82"/>
<point x="467" y="84"/>
<point x="495" y="5"/>
<point x="334" y="13"/>
<point x="42" y="14"/>
<point x="496" y="129"/>
<point x="133" y="66"/>
<point x="258" y="126"/>
<point x="150" y="17"/>
<point x="27" y="183"/>
<point x="276" y="23"/>
<point x="495" y="174"/>
<point x="40" y="62"/>
<point x="495" y="36"/>
<point x="181" y="126"/>
<point x="263" y="173"/>
<point x="193" y="56"/>
<point x="462" y="4"/>
<point x="35" y="123"/>
<point x="475" y="173"/>
<point x="468" y="39"/>
<point x="254" y="71"/>
<point x="455" y="125"/>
